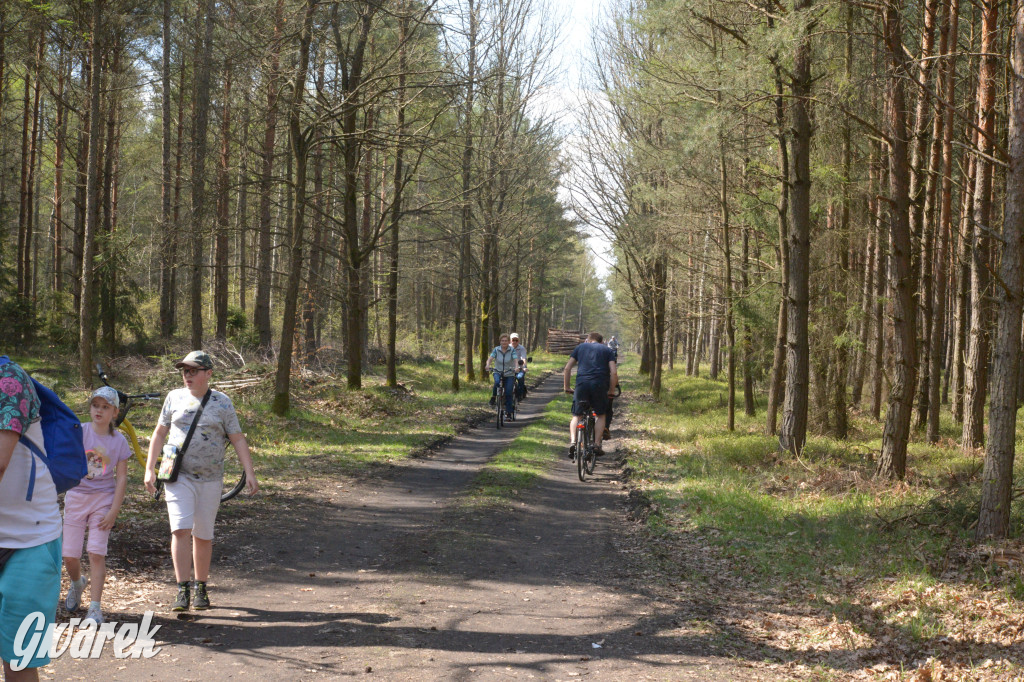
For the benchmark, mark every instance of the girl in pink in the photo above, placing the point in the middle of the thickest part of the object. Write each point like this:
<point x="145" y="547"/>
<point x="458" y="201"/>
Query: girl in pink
<point x="95" y="502"/>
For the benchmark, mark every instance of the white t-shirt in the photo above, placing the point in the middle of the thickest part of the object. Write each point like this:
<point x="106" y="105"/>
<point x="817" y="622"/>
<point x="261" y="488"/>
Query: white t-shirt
<point x="22" y="523"/>
<point x="204" y="458"/>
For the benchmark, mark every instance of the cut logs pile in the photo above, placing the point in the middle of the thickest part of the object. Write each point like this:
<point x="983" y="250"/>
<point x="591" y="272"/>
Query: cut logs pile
<point x="562" y="341"/>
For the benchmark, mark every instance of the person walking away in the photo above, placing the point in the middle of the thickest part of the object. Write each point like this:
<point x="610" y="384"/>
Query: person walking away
<point x="95" y="502"/>
<point x="502" y="362"/>
<point x="595" y="376"/>
<point x="30" y="530"/>
<point x="194" y="498"/>
<point x="520" y="351"/>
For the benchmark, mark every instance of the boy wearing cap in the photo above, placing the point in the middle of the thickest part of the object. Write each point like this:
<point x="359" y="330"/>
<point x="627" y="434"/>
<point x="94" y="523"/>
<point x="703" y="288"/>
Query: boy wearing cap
<point x="193" y="500"/>
<point x="95" y="502"/>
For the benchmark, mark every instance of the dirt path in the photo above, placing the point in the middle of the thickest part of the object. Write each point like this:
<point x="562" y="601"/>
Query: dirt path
<point x="392" y="578"/>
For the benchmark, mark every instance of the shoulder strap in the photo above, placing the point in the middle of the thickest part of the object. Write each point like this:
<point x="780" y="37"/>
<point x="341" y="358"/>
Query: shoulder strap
<point x="195" y="423"/>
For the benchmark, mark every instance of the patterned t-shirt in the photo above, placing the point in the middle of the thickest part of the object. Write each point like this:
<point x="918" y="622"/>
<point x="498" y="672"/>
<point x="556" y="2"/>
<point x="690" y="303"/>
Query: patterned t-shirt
<point x="104" y="451"/>
<point x="204" y="458"/>
<point x="19" y="404"/>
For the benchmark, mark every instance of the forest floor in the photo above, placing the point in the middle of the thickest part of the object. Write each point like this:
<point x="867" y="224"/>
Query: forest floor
<point x="379" y="549"/>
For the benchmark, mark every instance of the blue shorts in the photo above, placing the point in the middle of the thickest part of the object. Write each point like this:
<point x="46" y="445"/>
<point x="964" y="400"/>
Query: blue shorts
<point x="29" y="583"/>
<point x="594" y="393"/>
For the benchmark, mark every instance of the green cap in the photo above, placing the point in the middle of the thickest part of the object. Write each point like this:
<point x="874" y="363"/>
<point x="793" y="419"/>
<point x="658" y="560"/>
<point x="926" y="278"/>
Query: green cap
<point x="197" y="358"/>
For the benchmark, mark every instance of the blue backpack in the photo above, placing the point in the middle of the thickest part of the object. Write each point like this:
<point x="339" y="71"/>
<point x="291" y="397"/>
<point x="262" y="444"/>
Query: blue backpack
<point x="62" y="437"/>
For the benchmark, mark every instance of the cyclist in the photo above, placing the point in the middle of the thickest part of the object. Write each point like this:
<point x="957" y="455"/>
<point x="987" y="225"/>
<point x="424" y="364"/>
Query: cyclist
<point x="502" y="362"/>
<point x="520" y="350"/>
<point x="595" y="379"/>
<point x="613" y="344"/>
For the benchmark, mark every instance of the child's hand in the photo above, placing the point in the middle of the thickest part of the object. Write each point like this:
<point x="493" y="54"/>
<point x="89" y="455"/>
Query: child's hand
<point x="108" y="520"/>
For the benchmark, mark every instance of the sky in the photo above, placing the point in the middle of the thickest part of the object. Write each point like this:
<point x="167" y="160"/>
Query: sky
<point x="579" y="19"/>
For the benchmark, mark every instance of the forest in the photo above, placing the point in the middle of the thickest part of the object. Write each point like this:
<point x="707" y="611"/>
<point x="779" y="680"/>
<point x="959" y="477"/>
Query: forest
<point x="311" y="180"/>
<point x="819" y="199"/>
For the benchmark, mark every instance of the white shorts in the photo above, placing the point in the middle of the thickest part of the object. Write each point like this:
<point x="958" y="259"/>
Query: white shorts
<point x="192" y="505"/>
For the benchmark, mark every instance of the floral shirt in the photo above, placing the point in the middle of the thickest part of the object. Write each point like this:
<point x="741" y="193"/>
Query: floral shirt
<point x="19" y="404"/>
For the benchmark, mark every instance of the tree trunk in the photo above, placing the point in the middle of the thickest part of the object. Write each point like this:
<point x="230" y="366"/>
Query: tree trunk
<point x="299" y="140"/>
<point x="222" y="246"/>
<point x="264" y="269"/>
<point x="977" y="359"/>
<point x="777" y="386"/>
<point x="167" y="230"/>
<point x="947" y="94"/>
<point x="892" y="462"/>
<point x="997" y="477"/>
<point x="85" y="329"/>
<point x="204" y="56"/>
<point x="793" y="433"/>
<point x="396" y="209"/>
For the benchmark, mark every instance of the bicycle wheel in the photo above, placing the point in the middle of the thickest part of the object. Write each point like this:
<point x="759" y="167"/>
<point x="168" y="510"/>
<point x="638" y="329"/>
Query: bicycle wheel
<point x="499" y="409"/>
<point x="591" y="455"/>
<point x="581" y="470"/>
<point x="234" y="478"/>
<point x="591" y="459"/>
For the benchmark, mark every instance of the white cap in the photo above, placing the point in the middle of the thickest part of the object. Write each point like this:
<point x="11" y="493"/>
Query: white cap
<point x="109" y="394"/>
<point x="513" y="335"/>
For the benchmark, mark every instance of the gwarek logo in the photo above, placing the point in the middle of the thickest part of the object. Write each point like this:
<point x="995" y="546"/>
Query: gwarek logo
<point x="34" y="639"/>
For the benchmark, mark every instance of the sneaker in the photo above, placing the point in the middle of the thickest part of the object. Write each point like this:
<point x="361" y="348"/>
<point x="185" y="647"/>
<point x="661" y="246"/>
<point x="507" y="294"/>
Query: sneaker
<point x="182" y="600"/>
<point x="493" y="403"/>
<point x="201" y="601"/>
<point x="607" y="435"/>
<point x="74" y="598"/>
<point x="598" y="452"/>
<point x="572" y="453"/>
<point x="93" y="615"/>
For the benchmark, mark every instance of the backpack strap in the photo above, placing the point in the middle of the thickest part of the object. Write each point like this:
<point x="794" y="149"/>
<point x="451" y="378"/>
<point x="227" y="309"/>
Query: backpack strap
<point x="27" y="442"/>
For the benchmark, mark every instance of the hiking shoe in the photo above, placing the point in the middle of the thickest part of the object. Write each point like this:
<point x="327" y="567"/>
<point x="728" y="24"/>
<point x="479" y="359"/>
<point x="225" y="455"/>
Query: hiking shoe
<point x="93" y="615"/>
<point x="493" y="403"/>
<point x="181" y="602"/>
<point x="607" y="435"/>
<point x="200" y="601"/>
<point x="598" y="452"/>
<point x="74" y="598"/>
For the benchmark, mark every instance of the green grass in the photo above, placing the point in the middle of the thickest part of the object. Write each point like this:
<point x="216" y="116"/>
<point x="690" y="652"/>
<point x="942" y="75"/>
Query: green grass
<point x="821" y="523"/>
<point x="519" y="466"/>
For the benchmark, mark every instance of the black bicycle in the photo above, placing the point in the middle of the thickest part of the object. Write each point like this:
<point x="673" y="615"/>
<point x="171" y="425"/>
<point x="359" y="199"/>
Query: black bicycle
<point x="499" y="403"/>
<point x="585" y="443"/>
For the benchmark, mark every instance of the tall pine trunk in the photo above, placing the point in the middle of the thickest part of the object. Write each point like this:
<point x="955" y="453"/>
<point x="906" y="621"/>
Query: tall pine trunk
<point x="892" y="462"/>
<point x="997" y="476"/>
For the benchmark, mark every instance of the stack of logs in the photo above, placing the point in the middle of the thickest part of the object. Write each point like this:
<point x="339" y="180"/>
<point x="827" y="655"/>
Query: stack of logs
<point x="562" y="342"/>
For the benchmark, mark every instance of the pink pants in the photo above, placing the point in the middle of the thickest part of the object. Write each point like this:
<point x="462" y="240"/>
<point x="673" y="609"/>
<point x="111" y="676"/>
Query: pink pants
<point x="83" y="510"/>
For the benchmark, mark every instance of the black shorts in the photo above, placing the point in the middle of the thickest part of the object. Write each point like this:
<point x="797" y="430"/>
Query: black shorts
<point x="593" y="393"/>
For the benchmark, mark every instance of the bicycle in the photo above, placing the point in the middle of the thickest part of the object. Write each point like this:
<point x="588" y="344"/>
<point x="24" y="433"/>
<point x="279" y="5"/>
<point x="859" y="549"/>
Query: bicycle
<point x="499" y="403"/>
<point x="231" y="473"/>
<point x="585" y="456"/>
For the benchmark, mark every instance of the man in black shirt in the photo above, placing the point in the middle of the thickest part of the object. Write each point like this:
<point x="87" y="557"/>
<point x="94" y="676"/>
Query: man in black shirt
<point x="595" y="380"/>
